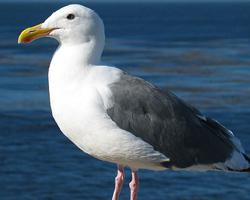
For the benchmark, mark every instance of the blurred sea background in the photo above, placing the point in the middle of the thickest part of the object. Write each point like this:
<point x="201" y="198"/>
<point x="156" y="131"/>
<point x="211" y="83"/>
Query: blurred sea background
<point x="200" y="51"/>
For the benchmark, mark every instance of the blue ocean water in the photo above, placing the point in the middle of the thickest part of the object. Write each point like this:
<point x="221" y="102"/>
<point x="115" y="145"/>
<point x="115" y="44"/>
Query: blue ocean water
<point x="199" y="51"/>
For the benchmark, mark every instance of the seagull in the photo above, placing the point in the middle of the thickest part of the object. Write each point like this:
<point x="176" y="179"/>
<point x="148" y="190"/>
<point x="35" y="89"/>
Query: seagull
<point x="123" y="119"/>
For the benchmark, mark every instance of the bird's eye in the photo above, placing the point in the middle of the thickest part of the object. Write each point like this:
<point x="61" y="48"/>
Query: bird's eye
<point x="70" y="16"/>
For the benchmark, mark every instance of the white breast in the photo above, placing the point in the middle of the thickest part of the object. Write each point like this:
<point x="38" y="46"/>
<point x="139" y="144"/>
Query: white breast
<point x="77" y="104"/>
<point x="79" y="107"/>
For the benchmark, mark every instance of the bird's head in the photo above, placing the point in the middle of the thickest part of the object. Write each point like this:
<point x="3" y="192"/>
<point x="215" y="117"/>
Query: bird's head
<point x="72" y="24"/>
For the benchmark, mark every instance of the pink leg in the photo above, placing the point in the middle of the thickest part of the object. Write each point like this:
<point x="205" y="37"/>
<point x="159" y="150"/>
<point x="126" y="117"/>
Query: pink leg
<point x="134" y="185"/>
<point x="119" y="179"/>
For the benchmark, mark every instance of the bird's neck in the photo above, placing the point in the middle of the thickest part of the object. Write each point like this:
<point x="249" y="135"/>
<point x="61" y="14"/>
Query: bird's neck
<point x="87" y="53"/>
<point x="70" y="61"/>
<point x="71" y="64"/>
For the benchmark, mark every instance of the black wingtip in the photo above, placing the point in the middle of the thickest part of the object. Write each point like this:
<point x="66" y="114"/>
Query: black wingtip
<point x="167" y="164"/>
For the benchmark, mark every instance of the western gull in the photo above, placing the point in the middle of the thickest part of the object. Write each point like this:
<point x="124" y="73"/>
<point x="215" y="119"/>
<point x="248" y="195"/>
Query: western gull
<point x="123" y="119"/>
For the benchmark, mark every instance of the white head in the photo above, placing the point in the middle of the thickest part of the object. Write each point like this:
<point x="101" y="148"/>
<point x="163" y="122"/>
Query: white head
<point x="75" y="24"/>
<point x="71" y="25"/>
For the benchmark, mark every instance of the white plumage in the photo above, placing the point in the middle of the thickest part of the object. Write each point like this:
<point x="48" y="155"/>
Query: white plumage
<point x="81" y="95"/>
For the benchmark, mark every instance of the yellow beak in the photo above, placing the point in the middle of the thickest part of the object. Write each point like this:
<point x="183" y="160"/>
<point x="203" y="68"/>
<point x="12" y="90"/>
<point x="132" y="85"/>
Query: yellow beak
<point x="33" y="33"/>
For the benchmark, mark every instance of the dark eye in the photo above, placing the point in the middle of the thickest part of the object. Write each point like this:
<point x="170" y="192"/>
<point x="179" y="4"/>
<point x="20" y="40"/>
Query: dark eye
<point x="70" y="16"/>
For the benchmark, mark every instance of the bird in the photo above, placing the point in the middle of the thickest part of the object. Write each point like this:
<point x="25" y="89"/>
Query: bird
<point x="123" y="119"/>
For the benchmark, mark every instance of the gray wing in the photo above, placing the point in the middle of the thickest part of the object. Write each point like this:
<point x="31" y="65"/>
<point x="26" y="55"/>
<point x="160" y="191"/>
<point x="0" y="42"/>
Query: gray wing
<point x="167" y="123"/>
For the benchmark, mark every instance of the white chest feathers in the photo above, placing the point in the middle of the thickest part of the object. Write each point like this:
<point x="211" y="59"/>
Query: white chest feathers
<point x="78" y="104"/>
